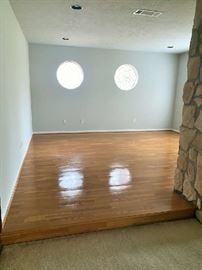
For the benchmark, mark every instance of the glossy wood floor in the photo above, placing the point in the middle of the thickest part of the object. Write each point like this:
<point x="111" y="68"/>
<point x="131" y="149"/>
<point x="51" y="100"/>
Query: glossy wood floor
<point x="73" y="183"/>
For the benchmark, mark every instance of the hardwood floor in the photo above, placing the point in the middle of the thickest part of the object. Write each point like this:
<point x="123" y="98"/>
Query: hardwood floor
<point x="72" y="183"/>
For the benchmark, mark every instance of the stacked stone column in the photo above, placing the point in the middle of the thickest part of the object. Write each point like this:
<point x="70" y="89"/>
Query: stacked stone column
<point x="188" y="177"/>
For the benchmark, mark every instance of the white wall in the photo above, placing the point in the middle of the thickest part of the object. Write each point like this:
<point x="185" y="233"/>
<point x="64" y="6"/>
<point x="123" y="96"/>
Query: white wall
<point x="15" y="109"/>
<point x="181" y="79"/>
<point x="98" y="102"/>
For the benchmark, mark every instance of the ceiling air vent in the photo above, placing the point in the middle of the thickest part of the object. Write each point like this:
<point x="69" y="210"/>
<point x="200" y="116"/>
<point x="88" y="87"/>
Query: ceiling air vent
<point x="147" y="12"/>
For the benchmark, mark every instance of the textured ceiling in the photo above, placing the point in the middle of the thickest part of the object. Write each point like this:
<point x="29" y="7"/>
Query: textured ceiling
<point x="107" y="23"/>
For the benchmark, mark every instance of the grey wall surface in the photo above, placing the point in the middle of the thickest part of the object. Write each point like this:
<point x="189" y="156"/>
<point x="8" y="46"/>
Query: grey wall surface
<point x="15" y="105"/>
<point x="98" y="104"/>
<point x="181" y="79"/>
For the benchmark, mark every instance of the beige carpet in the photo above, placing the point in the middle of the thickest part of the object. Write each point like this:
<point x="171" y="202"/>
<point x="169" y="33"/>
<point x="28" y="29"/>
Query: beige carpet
<point x="171" y="245"/>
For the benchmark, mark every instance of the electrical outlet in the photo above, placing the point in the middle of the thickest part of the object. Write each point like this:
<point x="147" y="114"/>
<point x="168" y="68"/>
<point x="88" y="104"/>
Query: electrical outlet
<point x="134" y="120"/>
<point x="64" y="121"/>
<point x="82" y="121"/>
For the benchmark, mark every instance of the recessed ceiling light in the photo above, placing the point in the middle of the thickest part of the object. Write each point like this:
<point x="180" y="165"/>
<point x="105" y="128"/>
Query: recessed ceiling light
<point x="65" y="38"/>
<point x="170" y="47"/>
<point x="76" y="7"/>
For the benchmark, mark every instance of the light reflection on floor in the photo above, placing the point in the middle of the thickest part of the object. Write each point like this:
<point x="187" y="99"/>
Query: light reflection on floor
<point x="71" y="182"/>
<point x="119" y="178"/>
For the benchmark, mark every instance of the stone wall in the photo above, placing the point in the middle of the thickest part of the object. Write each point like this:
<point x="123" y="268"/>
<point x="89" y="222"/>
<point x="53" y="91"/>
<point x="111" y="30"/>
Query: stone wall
<point x="188" y="177"/>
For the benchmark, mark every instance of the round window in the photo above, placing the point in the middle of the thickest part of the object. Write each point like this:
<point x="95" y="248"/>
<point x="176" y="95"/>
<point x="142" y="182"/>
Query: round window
<point x="70" y="75"/>
<point x="126" y="77"/>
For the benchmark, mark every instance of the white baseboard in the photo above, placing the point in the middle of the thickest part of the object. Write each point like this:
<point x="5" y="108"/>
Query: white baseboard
<point x="4" y="216"/>
<point x="175" y="130"/>
<point x="101" y="130"/>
